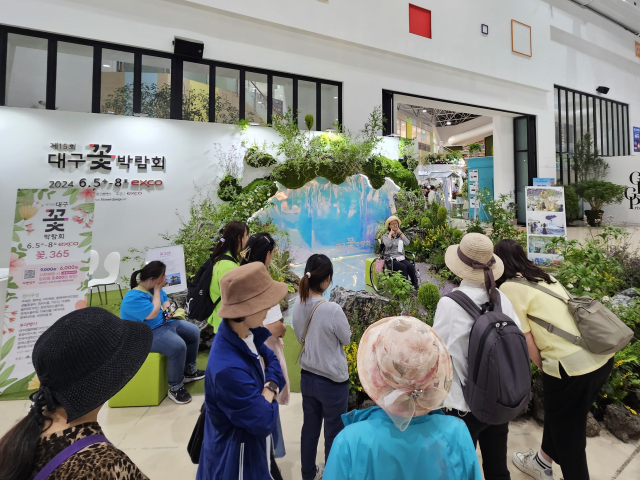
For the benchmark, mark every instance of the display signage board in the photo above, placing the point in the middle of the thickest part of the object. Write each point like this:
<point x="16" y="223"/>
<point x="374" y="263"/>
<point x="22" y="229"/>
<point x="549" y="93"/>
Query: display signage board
<point x="636" y="139"/>
<point x="52" y="235"/>
<point x="173" y="257"/>
<point x="544" y="182"/>
<point x="546" y="219"/>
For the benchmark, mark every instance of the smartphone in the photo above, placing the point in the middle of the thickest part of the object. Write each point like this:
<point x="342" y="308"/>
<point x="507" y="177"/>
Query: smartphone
<point x="170" y="311"/>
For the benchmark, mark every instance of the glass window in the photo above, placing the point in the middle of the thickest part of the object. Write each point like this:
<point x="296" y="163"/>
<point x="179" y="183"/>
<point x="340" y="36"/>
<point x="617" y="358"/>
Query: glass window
<point x="116" y="84"/>
<point x="255" y="97"/>
<point x="403" y="129"/>
<point x="195" y="92"/>
<point x="563" y="120"/>
<point x="556" y="110"/>
<point x="610" y="122"/>
<point x="26" y="71"/>
<point x="306" y="102"/>
<point x="282" y="95"/>
<point x="571" y="124"/>
<point x="578" y="111"/>
<point x="621" y="149"/>
<point x="558" y="171"/>
<point x="590" y="119"/>
<point x="625" y="122"/>
<point x="156" y="86"/>
<point x="599" y="124"/>
<point x="227" y="95"/>
<point x="328" y="106"/>
<point x="565" y="169"/>
<point x="616" y="129"/>
<point x="74" y="73"/>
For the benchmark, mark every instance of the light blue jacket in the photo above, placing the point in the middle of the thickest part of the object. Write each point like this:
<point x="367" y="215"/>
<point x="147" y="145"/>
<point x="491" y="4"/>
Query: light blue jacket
<point x="371" y="447"/>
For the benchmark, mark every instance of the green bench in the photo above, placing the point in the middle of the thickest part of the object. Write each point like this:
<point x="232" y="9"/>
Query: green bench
<point x="148" y="387"/>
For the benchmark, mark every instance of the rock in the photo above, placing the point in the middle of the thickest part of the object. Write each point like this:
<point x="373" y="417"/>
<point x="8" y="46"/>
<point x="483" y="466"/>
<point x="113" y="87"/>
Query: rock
<point x="621" y="422"/>
<point x="293" y="279"/>
<point x="206" y="330"/>
<point x="360" y="307"/>
<point x="353" y="403"/>
<point x="593" y="427"/>
<point x="537" y="400"/>
<point x="620" y="300"/>
<point x="630" y="292"/>
<point x="367" y="404"/>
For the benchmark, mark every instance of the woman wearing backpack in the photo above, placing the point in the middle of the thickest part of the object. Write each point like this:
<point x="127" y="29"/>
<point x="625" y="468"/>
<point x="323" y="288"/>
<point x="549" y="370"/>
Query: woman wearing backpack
<point x="473" y="261"/>
<point x="226" y="255"/>
<point x="322" y="330"/>
<point x="571" y="375"/>
<point x="259" y="248"/>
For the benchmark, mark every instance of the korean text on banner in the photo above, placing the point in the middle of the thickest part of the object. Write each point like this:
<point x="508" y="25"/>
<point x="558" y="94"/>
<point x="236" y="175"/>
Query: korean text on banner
<point x="48" y="268"/>
<point x="173" y="257"/>
<point x="546" y="219"/>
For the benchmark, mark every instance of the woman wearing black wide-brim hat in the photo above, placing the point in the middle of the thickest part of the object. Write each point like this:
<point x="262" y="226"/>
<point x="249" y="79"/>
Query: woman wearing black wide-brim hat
<point x="82" y="360"/>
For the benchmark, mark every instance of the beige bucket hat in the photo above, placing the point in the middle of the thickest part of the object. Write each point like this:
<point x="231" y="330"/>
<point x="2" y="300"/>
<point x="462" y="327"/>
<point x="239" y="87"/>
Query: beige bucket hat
<point x="473" y="259"/>
<point x="248" y="290"/>
<point x="391" y="219"/>
<point x="404" y="367"/>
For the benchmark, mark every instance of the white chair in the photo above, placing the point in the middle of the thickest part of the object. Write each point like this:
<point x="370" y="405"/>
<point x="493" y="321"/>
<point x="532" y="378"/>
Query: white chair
<point x="112" y="266"/>
<point x="94" y="263"/>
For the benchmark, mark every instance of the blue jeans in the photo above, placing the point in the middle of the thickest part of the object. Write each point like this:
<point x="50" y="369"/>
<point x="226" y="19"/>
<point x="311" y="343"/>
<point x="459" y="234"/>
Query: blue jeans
<point x="178" y="341"/>
<point x="322" y="399"/>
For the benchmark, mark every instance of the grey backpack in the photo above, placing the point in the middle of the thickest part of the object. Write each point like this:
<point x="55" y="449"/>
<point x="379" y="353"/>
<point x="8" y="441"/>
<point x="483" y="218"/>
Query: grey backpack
<point x="601" y="332"/>
<point x="498" y="384"/>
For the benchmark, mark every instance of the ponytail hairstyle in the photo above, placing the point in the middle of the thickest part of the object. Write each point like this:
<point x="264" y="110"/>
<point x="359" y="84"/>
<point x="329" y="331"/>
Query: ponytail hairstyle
<point x="257" y="248"/>
<point x="317" y="270"/>
<point x="153" y="269"/>
<point x="231" y="241"/>
<point x="516" y="262"/>
<point x="18" y="446"/>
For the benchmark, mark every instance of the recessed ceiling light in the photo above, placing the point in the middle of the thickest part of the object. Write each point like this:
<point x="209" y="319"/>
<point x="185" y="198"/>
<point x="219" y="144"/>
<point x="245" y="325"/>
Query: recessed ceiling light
<point x="448" y="123"/>
<point x="335" y="97"/>
<point x="424" y="111"/>
<point x="108" y="66"/>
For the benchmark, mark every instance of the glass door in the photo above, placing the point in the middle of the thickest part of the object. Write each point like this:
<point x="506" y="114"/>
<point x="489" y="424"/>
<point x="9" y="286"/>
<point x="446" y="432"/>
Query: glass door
<point x="526" y="163"/>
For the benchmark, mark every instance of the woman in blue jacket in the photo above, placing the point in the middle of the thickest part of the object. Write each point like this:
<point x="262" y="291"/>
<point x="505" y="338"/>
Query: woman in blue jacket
<point x="242" y="380"/>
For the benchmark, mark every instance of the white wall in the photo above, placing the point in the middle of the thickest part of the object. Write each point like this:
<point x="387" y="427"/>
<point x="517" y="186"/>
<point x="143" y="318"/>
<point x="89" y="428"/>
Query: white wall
<point x="503" y="167"/>
<point x="621" y="173"/>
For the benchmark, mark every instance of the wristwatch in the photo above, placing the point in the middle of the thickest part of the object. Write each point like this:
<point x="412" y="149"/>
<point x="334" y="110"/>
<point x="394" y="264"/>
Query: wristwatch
<point x="273" y="386"/>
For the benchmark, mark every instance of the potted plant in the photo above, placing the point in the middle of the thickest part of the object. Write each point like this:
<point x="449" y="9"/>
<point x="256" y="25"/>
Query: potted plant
<point x="598" y="193"/>
<point x="473" y="148"/>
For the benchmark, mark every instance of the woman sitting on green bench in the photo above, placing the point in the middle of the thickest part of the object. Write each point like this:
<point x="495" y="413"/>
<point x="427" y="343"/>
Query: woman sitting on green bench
<point x="177" y="340"/>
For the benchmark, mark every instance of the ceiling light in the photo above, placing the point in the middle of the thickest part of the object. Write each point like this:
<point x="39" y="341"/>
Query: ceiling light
<point x="335" y="97"/>
<point x="448" y="123"/>
<point x="107" y="66"/>
<point x="424" y="111"/>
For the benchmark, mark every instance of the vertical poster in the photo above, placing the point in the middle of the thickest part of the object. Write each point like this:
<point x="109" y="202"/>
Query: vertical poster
<point x="546" y="219"/>
<point x="48" y="268"/>
<point x="173" y="257"/>
<point x="636" y="139"/>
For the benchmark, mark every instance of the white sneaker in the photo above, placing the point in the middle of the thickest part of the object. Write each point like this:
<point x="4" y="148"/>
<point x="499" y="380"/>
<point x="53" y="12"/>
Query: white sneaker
<point x="319" y="472"/>
<point x="527" y="463"/>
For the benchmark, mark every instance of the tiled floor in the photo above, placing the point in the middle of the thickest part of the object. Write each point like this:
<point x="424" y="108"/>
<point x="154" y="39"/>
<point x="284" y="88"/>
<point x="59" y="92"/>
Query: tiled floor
<point x="156" y="438"/>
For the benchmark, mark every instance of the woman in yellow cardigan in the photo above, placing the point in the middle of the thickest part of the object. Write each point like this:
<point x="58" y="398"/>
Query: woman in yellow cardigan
<point x="571" y="375"/>
<point x="226" y="254"/>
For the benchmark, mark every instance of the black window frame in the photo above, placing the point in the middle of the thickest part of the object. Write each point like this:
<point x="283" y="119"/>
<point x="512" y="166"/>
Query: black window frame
<point x="177" y="62"/>
<point x="617" y="144"/>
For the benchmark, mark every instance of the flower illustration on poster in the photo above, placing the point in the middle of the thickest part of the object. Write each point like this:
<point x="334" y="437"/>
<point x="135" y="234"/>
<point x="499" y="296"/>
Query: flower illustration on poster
<point x="49" y="262"/>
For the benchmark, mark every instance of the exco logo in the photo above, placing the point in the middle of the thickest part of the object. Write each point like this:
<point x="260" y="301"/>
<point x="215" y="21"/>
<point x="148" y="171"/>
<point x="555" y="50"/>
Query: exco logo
<point x="148" y="183"/>
<point x="633" y="193"/>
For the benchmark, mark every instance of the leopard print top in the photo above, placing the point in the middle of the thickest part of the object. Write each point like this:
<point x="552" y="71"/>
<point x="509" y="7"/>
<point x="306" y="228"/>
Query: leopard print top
<point x="100" y="461"/>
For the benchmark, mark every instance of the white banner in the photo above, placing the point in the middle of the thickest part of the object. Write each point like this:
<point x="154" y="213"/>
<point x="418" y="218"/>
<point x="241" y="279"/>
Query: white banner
<point x="52" y="235"/>
<point x="546" y="219"/>
<point x="173" y="257"/>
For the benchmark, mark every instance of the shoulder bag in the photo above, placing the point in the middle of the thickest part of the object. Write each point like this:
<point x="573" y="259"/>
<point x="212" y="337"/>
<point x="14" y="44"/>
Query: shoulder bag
<point x="601" y="331"/>
<point x="306" y="329"/>
<point x="64" y="455"/>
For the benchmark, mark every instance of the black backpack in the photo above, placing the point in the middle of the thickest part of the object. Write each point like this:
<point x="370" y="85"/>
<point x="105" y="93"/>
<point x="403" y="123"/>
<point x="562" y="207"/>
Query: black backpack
<point x="199" y="305"/>
<point x="498" y="384"/>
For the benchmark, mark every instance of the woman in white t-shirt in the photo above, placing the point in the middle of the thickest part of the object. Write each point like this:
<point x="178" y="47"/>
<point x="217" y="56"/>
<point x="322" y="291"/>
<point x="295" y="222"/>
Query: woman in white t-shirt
<point x="259" y="248"/>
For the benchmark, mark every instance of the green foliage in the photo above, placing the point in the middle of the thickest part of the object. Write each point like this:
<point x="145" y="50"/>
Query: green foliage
<point x="429" y="296"/>
<point x="308" y="121"/>
<point x="441" y="216"/>
<point x="625" y="376"/>
<point x="410" y="207"/>
<point x="475" y="226"/>
<point x="599" y="193"/>
<point x="571" y="201"/>
<point x="243" y="125"/>
<point x="402" y="298"/>
<point x="257" y="157"/>
<point x="502" y="212"/>
<point x="475" y="147"/>
<point x="406" y="154"/>
<point x="229" y="188"/>
<point x="588" y="267"/>
<point x="260" y="182"/>
<point x="464" y="189"/>
<point x="630" y="315"/>
<point x="587" y="162"/>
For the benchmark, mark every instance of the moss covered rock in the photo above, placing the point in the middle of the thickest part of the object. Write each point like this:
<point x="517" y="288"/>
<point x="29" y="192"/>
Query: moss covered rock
<point x="229" y="188"/>
<point x="273" y="189"/>
<point x="294" y="173"/>
<point x="257" y="158"/>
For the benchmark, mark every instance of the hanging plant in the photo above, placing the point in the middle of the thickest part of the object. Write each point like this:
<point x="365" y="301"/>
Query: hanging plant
<point x="257" y="157"/>
<point x="229" y="188"/>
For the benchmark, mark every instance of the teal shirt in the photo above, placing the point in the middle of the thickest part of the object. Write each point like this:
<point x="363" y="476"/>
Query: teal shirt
<point x="371" y="447"/>
<point x="138" y="305"/>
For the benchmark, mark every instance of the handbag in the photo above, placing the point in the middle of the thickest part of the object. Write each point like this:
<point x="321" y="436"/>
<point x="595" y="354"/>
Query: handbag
<point x="306" y="329"/>
<point x="379" y="265"/>
<point x="601" y="331"/>
<point x="197" y="436"/>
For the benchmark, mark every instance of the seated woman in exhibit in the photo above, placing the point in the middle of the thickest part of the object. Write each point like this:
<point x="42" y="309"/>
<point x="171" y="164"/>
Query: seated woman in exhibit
<point x="243" y="381"/>
<point x="394" y="242"/>
<point x="177" y="339"/>
<point x="82" y="360"/>
<point x="406" y="370"/>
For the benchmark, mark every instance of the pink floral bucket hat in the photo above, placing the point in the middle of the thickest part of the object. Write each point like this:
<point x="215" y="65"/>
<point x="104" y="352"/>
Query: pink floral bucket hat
<point x="404" y="367"/>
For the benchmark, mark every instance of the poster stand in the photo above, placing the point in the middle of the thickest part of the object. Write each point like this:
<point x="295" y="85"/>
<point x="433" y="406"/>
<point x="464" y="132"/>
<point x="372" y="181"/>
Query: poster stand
<point x="546" y="220"/>
<point x="173" y="257"/>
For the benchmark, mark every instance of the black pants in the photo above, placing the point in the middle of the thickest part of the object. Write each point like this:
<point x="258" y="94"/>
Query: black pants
<point x="566" y="405"/>
<point x="407" y="269"/>
<point x="275" y="470"/>
<point x="322" y="399"/>
<point x="493" y="444"/>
